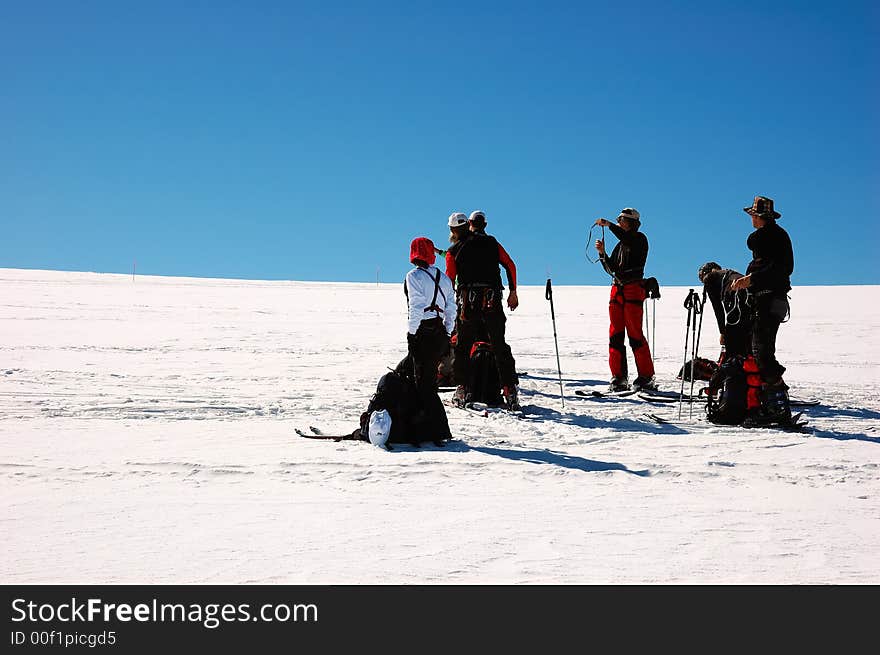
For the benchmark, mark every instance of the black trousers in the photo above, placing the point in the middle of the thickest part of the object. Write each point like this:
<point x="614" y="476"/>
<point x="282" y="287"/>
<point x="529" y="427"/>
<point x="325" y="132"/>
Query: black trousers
<point x="426" y="348"/>
<point x="481" y="318"/>
<point x="738" y="339"/>
<point x="769" y="312"/>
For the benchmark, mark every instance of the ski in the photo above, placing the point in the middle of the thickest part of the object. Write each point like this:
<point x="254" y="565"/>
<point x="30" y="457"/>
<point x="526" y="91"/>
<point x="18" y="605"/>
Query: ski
<point x="796" y="402"/>
<point x="481" y="409"/>
<point x="795" y="425"/>
<point x="318" y="434"/>
<point x="605" y="394"/>
<point x="355" y="435"/>
<point x="657" y="419"/>
<point x="673" y="397"/>
<point x="653" y="398"/>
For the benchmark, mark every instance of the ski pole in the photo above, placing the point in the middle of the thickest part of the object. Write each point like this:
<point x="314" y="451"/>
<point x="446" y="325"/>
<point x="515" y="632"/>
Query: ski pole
<point x="701" y="307"/>
<point x="654" y="327"/>
<point x="698" y="309"/>
<point x="700" y="328"/>
<point x="688" y="303"/>
<point x="548" y="294"/>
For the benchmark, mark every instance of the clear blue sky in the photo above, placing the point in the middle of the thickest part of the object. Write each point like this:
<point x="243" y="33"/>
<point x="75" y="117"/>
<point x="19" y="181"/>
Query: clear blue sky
<point x="314" y="140"/>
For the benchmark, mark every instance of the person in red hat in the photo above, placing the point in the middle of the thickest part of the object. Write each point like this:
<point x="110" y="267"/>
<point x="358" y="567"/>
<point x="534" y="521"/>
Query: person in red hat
<point x="432" y="310"/>
<point x="626" y="266"/>
<point x="768" y="280"/>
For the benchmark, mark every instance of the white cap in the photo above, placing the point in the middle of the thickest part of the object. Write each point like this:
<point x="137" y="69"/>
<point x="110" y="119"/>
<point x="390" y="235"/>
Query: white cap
<point x="380" y="427"/>
<point x="477" y="213"/>
<point x="629" y="212"/>
<point x="457" y="219"/>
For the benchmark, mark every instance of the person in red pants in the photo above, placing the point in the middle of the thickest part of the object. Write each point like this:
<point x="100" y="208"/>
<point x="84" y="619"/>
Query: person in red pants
<point x="626" y="265"/>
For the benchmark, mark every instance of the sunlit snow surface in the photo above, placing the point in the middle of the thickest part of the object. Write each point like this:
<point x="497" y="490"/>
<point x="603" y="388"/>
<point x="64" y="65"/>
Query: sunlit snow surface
<point x="147" y="436"/>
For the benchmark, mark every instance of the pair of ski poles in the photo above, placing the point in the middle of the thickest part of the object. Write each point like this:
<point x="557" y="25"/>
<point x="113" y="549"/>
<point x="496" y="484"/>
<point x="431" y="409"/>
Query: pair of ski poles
<point x="694" y="306"/>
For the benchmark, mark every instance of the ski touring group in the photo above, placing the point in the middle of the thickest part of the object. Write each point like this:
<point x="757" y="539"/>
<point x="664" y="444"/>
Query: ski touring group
<point x="456" y="330"/>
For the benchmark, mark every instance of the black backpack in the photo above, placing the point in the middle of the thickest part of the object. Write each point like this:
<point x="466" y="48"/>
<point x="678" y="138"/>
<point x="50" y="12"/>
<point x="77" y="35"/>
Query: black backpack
<point x="728" y="394"/>
<point x="396" y="393"/>
<point x="484" y="385"/>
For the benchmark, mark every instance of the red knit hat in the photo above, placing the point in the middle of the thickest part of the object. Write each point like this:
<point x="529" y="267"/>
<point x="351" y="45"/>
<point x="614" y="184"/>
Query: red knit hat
<point x="422" y="248"/>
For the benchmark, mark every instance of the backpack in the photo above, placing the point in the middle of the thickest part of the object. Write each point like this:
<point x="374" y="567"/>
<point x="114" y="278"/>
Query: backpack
<point x="704" y="369"/>
<point x="396" y="394"/>
<point x="728" y="391"/>
<point x="484" y="384"/>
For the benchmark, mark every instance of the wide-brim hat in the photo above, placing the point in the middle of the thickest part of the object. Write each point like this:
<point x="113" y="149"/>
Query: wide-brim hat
<point x="762" y="207"/>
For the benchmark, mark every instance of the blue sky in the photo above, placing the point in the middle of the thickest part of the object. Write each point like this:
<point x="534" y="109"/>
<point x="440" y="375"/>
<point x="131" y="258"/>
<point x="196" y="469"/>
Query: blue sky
<point x="314" y="140"/>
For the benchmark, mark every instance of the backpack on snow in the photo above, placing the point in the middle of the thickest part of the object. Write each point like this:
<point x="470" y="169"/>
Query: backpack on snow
<point x="704" y="369"/>
<point x="728" y="394"/>
<point x="395" y="393"/>
<point x="484" y="385"/>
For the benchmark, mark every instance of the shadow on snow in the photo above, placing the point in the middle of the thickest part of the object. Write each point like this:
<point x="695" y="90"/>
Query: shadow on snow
<point x="548" y="457"/>
<point x="539" y="414"/>
<point x="557" y="459"/>
<point x="829" y="411"/>
<point x="844" y="436"/>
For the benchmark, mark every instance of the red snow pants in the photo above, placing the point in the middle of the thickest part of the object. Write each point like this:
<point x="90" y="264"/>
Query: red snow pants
<point x="753" y="380"/>
<point x="625" y="310"/>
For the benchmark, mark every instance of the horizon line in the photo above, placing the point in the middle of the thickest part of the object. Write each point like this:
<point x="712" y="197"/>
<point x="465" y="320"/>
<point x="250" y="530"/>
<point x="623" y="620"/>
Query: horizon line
<point x="378" y="282"/>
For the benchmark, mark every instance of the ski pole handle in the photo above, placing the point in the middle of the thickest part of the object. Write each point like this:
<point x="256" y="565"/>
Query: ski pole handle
<point x="548" y="294"/>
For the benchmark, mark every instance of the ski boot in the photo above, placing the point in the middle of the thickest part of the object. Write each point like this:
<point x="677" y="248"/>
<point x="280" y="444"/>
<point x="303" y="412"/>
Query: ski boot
<point x="511" y="399"/>
<point x="775" y="407"/>
<point x="460" y="397"/>
<point x="619" y="384"/>
<point x="645" y="383"/>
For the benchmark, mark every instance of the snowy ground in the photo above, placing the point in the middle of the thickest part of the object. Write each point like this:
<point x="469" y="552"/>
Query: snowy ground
<point x="147" y="436"/>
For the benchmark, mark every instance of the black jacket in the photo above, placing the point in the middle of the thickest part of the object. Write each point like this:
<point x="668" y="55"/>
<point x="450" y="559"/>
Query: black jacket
<point x="627" y="261"/>
<point x="772" y="259"/>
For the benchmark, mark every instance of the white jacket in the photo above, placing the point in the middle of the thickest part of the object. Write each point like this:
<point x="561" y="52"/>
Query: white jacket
<point x="420" y="290"/>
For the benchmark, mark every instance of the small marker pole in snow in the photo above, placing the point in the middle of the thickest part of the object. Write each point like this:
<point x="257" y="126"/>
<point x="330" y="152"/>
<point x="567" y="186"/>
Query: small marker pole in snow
<point x="133" y="269"/>
<point x="548" y="294"/>
<point x="377" y="276"/>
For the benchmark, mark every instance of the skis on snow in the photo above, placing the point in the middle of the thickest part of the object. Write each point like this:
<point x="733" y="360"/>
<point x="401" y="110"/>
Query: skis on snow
<point x="795" y="424"/>
<point x="606" y="394"/>
<point x="355" y="435"/>
<point x="315" y="433"/>
<point x="484" y="410"/>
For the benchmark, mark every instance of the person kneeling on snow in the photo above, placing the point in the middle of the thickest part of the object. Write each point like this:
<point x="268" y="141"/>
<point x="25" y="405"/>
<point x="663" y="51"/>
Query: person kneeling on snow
<point x="432" y="312"/>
